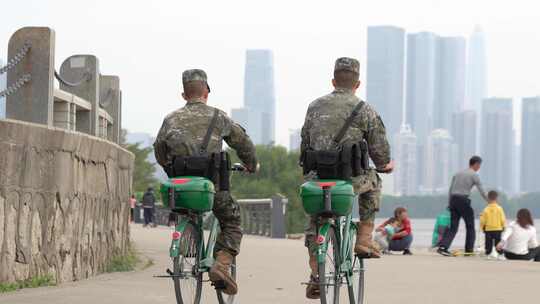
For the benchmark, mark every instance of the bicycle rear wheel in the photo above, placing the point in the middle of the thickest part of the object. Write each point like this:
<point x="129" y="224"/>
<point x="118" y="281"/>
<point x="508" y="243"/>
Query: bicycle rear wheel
<point x="224" y="298"/>
<point x="329" y="277"/>
<point x="186" y="276"/>
<point x="355" y="288"/>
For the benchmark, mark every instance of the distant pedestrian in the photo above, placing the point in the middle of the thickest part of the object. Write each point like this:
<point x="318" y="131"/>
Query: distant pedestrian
<point x="460" y="206"/>
<point x="132" y="203"/>
<point x="492" y="222"/>
<point x="402" y="239"/>
<point x="519" y="240"/>
<point x="149" y="204"/>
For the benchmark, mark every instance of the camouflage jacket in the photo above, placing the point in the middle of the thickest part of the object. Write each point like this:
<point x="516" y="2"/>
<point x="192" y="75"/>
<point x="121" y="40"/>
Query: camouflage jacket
<point x="183" y="131"/>
<point x="326" y="115"/>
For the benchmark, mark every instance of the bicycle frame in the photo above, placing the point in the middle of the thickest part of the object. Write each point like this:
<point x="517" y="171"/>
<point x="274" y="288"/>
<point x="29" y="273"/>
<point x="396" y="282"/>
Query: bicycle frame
<point x="343" y="225"/>
<point x="205" y="255"/>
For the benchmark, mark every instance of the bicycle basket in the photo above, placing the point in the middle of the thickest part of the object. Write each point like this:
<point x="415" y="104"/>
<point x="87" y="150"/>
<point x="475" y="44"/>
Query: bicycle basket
<point x="190" y="192"/>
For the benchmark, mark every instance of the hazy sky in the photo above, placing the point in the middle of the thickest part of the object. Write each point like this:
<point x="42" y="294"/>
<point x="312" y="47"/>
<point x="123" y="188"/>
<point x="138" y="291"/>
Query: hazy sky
<point x="149" y="43"/>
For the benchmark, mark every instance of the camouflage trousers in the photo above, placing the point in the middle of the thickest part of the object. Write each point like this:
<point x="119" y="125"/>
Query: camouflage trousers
<point x="368" y="188"/>
<point x="227" y="211"/>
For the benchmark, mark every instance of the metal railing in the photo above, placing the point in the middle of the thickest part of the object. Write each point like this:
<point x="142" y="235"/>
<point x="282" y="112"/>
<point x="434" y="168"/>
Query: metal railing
<point x="83" y="100"/>
<point x="264" y="217"/>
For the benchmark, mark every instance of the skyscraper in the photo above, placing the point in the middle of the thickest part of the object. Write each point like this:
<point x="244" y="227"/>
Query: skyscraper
<point x="295" y="139"/>
<point x="2" y="87"/>
<point x="464" y="134"/>
<point x="450" y="86"/>
<point x="498" y="143"/>
<point x="421" y="80"/>
<point x="530" y="145"/>
<point x="439" y="162"/>
<point x="476" y="71"/>
<point x="258" y="114"/>
<point x="385" y="74"/>
<point x="405" y="179"/>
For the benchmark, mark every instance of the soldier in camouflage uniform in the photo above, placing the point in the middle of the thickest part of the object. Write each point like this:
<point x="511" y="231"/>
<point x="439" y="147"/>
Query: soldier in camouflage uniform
<point x="182" y="134"/>
<point x="324" y="118"/>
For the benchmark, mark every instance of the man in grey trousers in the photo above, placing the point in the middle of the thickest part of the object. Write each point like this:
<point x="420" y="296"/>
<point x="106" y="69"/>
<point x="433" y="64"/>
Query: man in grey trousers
<point x="460" y="206"/>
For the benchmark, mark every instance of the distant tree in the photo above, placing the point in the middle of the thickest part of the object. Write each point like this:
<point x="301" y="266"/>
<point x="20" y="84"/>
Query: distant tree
<point x="143" y="173"/>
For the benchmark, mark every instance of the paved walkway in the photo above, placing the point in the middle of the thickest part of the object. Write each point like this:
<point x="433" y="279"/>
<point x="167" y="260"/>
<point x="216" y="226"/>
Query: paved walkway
<point x="271" y="271"/>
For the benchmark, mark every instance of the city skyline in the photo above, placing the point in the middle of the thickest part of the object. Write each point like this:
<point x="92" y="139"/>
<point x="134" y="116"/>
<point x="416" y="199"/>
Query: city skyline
<point x="258" y="114"/>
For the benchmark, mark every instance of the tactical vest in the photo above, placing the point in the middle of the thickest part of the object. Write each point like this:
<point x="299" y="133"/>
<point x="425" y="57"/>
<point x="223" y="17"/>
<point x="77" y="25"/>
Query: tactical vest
<point x="344" y="161"/>
<point x="214" y="166"/>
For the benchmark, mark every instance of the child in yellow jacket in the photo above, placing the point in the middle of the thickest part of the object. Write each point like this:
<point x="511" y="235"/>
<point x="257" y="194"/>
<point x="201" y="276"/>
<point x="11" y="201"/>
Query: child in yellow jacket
<point x="492" y="222"/>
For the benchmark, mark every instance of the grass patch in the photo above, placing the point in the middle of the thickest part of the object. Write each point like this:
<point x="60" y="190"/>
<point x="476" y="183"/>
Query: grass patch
<point x="39" y="281"/>
<point x="123" y="263"/>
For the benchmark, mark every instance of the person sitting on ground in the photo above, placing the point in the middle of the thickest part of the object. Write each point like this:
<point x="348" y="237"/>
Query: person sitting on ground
<point x="402" y="239"/>
<point x="384" y="236"/>
<point x="492" y="222"/>
<point x="519" y="241"/>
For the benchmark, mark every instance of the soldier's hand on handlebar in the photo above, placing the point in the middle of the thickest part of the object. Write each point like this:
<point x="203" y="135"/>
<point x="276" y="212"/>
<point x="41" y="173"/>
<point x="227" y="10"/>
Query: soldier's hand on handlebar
<point x="388" y="168"/>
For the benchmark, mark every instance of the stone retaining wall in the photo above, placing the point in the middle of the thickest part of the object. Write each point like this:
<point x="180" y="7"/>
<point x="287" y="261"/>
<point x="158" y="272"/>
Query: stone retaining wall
<point x="63" y="202"/>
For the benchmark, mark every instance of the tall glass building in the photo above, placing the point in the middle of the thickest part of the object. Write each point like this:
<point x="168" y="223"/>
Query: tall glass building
<point x="258" y="115"/>
<point x="530" y="145"/>
<point x="498" y="144"/>
<point x="385" y="74"/>
<point x="450" y="86"/>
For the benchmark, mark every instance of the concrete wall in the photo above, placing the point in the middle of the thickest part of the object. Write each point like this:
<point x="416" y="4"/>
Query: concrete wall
<point x="63" y="202"/>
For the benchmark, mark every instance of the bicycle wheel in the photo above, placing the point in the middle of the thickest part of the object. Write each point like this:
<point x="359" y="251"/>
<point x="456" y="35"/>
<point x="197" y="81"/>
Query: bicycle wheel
<point x="224" y="298"/>
<point x="355" y="277"/>
<point x="186" y="277"/>
<point x="329" y="277"/>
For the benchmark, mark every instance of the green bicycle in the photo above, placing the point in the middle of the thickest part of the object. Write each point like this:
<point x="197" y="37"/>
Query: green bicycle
<point x="190" y="199"/>
<point x="332" y="201"/>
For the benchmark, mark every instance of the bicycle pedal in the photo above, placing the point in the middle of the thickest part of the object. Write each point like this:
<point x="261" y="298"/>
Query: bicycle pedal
<point x="219" y="285"/>
<point x="169" y="271"/>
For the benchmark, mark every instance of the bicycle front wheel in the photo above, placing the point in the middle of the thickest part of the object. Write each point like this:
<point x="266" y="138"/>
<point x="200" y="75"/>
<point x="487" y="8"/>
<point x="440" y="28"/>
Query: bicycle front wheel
<point x="355" y="278"/>
<point x="329" y="277"/>
<point x="186" y="276"/>
<point x="224" y="298"/>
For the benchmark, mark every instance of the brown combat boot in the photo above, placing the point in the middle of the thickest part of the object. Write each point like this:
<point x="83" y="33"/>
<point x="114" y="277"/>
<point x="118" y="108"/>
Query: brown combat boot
<point x="364" y="246"/>
<point x="313" y="289"/>
<point x="220" y="273"/>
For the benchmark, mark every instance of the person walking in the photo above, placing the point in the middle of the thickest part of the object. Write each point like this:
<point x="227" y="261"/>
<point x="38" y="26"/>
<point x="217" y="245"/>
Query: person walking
<point x="460" y="206"/>
<point x="492" y="222"/>
<point x="149" y="204"/>
<point x="132" y="203"/>
<point x="519" y="241"/>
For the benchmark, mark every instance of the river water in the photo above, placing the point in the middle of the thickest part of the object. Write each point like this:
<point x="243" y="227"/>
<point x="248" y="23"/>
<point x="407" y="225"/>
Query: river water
<point x="423" y="232"/>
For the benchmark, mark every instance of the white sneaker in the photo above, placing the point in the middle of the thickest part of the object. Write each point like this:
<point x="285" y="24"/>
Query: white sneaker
<point x="491" y="257"/>
<point x="501" y="257"/>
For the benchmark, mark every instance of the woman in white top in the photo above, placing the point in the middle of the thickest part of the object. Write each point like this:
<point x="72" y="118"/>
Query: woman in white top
<point x="519" y="240"/>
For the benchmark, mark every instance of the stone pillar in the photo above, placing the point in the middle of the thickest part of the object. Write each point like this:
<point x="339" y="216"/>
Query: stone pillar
<point x="62" y="115"/>
<point x="277" y="215"/>
<point x="33" y="102"/>
<point x="73" y="70"/>
<point x="110" y="100"/>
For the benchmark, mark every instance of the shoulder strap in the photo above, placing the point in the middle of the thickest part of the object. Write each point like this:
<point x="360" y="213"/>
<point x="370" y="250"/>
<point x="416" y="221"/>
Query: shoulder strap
<point x="348" y="122"/>
<point x="208" y="135"/>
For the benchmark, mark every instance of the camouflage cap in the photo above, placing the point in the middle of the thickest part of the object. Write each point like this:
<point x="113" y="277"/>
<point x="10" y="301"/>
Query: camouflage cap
<point x="195" y="75"/>
<point x="347" y="64"/>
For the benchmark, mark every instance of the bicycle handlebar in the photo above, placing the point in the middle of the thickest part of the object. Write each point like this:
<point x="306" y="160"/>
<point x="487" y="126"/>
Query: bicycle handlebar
<point x="238" y="167"/>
